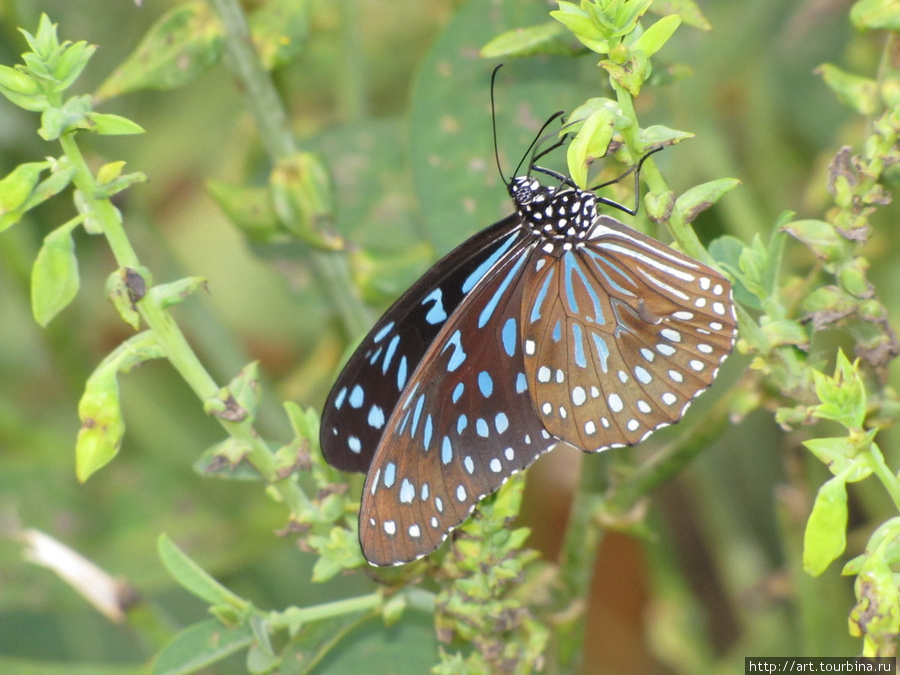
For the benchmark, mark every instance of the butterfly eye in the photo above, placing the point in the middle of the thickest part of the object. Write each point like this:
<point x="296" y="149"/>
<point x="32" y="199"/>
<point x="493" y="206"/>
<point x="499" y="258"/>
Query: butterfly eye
<point x="522" y="189"/>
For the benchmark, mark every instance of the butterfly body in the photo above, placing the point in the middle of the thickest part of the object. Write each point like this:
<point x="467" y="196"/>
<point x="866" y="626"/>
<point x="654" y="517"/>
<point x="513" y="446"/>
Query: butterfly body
<point x="555" y="324"/>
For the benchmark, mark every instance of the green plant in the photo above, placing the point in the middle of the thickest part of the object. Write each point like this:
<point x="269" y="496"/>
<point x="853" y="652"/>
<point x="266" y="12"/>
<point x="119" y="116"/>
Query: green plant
<point x="497" y="605"/>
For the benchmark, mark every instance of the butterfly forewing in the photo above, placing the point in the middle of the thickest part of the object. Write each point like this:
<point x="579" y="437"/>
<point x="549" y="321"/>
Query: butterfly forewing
<point x="371" y="384"/>
<point x="466" y="424"/>
<point x="620" y="334"/>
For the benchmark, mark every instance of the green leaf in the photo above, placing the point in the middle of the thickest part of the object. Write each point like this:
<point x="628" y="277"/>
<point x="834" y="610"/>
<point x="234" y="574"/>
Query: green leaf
<point x="884" y="542"/>
<point x="631" y="74"/>
<point x="113" y="125"/>
<point x="54" y="276"/>
<point x="858" y="93"/>
<point x="15" y="188"/>
<point x="183" y="43"/>
<point x="200" y="646"/>
<point x="658" y="134"/>
<point x="841" y="455"/>
<point x="581" y="25"/>
<point x="653" y="39"/>
<point x="72" y="115"/>
<point x="825" y="537"/>
<point x="541" y="39"/>
<point x="701" y="197"/>
<point x="301" y="193"/>
<point x="99" y="409"/>
<point x="877" y="612"/>
<point x="70" y="64"/>
<point x="59" y="179"/>
<point x="175" y="292"/>
<point x="304" y="421"/>
<point x="843" y="396"/>
<point x="876" y="15"/>
<point x="279" y="31"/>
<point x="821" y="237"/>
<point x="226" y="460"/>
<point x="591" y="142"/>
<point x="22" y="90"/>
<point x="246" y="390"/>
<point x="250" y="209"/>
<point x="194" y="578"/>
<point x="687" y="10"/>
<point x="125" y="288"/>
<point x="102" y="426"/>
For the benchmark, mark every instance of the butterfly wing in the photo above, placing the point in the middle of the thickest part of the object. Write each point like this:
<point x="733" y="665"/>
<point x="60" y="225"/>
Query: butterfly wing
<point x="373" y="380"/>
<point x="465" y="424"/>
<point x="620" y="335"/>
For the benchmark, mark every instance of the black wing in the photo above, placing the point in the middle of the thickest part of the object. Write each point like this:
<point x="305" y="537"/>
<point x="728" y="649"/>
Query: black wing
<point x="371" y="384"/>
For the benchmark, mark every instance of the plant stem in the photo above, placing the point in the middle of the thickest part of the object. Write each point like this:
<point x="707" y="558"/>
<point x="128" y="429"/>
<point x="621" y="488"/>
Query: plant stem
<point x="167" y="333"/>
<point x="272" y="123"/>
<point x="583" y="537"/>
<point x="884" y="474"/>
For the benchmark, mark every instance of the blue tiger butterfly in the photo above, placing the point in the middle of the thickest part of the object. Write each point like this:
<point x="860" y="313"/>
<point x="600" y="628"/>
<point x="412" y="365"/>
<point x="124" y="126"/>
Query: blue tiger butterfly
<point x="557" y="323"/>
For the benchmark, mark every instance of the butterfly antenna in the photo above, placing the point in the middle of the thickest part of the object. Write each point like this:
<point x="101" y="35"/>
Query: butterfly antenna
<point x="494" y="124"/>
<point x="539" y="138"/>
<point x="636" y="169"/>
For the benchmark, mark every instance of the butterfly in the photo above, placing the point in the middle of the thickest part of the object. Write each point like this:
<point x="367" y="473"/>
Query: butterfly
<point x="557" y="323"/>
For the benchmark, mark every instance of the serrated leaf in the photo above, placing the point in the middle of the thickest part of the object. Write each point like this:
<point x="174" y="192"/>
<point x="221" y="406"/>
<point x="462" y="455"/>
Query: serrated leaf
<point x="194" y="578"/>
<point x="199" y="646"/>
<point x="825" y="536"/>
<point x="54" y="276"/>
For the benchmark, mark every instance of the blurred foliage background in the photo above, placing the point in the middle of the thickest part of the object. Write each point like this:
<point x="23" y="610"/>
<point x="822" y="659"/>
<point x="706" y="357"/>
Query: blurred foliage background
<point x="411" y="156"/>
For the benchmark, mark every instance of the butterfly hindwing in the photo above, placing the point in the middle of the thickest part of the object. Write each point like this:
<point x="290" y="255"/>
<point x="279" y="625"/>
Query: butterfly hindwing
<point x="371" y="383"/>
<point x="466" y="424"/>
<point x="621" y="334"/>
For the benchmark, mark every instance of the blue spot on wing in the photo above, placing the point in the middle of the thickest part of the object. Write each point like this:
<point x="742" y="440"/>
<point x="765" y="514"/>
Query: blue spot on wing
<point x="458" y="356"/>
<point x="509" y="337"/>
<point x="458" y="391"/>
<point x="541" y="296"/>
<point x="389" y="353"/>
<point x="436" y="314"/>
<point x="483" y="268"/>
<point x="578" y="343"/>
<point x="489" y="308"/>
<point x="485" y="383"/>
<point x="401" y="374"/>
<point x="380" y="335"/>
<point x="602" y="350"/>
<point x="356" y="397"/>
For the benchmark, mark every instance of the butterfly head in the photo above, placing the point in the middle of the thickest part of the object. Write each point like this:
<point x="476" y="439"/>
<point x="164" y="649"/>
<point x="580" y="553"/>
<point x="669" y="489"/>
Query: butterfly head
<point x="566" y="214"/>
